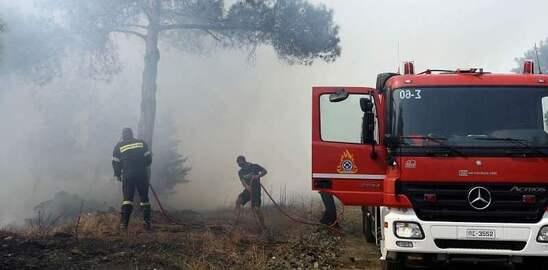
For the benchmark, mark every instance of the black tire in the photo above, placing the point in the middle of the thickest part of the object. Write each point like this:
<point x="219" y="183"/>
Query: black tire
<point x="536" y="263"/>
<point x="368" y="225"/>
<point x="392" y="265"/>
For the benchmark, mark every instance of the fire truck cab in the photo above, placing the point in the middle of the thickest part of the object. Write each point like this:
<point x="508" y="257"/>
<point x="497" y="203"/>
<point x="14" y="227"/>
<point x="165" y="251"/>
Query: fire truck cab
<point x="447" y="165"/>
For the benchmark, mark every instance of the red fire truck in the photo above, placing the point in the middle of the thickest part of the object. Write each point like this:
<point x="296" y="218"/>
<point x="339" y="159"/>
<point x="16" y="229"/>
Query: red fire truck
<point x="448" y="165"/>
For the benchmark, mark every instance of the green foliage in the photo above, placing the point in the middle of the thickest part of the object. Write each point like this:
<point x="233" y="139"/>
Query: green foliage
<point x="299" y="31"/>
<point x="542" y="49"/>
<point x="168" y="167"/>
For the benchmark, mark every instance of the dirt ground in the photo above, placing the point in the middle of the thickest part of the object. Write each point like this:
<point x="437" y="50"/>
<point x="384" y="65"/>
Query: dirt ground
<point x="204" y="241"/>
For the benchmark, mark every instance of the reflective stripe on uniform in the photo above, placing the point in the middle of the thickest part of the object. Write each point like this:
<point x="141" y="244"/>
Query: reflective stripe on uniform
<point x="127" y="202"/>
<point x="145" y="203"/>
<point x="131" y="146"/>
<point x="115" y="159"/>
<point x="147" y="153"/>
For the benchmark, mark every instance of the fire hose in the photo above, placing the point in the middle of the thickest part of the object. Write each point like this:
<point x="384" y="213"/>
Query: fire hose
<point x="332" y="226"/>
<point x="302" y="221"/>
<point x="166" y="214"/>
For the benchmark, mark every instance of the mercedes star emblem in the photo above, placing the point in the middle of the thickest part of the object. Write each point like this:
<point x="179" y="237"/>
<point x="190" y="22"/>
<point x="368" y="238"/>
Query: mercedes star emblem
<point x="479" y="198"/>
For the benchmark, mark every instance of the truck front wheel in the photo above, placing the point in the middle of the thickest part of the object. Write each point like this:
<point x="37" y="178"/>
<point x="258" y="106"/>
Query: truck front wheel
<point x="536" y="263"/>
<point x="392" y="265"/>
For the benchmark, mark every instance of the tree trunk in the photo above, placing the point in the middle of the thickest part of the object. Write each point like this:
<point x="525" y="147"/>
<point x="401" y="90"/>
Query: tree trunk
<point x="148" y="86"/>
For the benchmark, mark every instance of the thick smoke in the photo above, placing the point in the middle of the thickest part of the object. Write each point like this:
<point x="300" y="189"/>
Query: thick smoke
<point x="58" y="136"/>
<point x="61" y="131"/>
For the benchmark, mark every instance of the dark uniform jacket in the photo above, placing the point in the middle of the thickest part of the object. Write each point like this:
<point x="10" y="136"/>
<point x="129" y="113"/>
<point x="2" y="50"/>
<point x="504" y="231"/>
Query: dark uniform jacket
<point x="131" y="158"/>
<point x="246" y="172"/>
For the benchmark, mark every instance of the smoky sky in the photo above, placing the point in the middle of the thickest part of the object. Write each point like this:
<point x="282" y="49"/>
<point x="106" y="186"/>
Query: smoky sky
<point x="224" y="104"/>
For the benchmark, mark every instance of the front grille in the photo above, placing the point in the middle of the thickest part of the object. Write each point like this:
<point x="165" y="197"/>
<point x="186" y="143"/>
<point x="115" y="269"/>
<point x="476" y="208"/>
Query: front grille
<point x="480" y="244"/>
<point x="452" y="203"/>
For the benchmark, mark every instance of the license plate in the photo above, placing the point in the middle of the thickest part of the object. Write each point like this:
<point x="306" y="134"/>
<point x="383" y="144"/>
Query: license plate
<point x="480" y="233"/>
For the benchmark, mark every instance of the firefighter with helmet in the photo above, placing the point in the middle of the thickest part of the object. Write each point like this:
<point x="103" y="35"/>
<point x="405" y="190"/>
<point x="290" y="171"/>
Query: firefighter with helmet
<point x="131" y="160"/>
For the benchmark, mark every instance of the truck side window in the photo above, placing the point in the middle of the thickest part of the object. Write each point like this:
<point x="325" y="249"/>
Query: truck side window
<point x="545" y="113"/>
<point x="342" y="121"/>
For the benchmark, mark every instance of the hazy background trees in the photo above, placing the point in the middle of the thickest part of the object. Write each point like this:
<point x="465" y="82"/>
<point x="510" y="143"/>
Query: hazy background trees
<point x="2" y="28"/>
<point x="169" y="167"/>
<point x="33" y="47"/>
<point x="299" y="32"/>
<point x="537" y="53"/>
<point x="223" y="103"/>
<point x="66" y="76"/>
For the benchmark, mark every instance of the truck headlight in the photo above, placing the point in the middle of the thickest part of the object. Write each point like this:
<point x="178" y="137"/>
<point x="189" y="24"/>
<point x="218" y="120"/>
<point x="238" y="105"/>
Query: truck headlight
<point x="408" y="230"/>
<point x="543" y="235"/>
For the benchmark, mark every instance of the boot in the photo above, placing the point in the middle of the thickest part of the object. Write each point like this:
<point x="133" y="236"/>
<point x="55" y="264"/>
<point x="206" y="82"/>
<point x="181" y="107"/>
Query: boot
<point x="323" y="220"/>
<point x="147" y="226"/>
<point x="124" y="216"/>
<point x="147" y="219"/>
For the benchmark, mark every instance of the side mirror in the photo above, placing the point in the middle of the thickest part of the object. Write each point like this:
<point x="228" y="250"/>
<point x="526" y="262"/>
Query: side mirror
<point x="391" y="140"/>
<point x="368" y="121"/>
<point x="338" y="96"/>
<point x="366" y="105"/>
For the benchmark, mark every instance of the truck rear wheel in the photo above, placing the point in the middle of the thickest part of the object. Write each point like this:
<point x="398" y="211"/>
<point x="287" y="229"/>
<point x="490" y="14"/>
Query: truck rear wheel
<point x="367" y="225"/>
<point x="392" y="265"/>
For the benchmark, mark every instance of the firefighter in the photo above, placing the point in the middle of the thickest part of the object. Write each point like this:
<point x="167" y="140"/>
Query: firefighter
<point x="131" y="161"/>
<point x="250" y="176"/>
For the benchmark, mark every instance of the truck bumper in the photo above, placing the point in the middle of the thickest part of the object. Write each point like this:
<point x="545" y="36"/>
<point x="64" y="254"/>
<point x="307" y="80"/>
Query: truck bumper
<point x="451" y="237"/>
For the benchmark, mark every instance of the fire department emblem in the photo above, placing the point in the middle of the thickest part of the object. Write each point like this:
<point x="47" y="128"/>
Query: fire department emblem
<point x="411" y="164"/>
<point x="347" y="164"/>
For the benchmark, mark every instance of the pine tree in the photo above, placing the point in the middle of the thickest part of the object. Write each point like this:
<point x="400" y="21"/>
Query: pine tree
<point x="168" y="166"/>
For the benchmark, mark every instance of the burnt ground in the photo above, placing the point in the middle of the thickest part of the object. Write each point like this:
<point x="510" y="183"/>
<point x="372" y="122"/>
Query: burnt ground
<point x="205" y="241"/>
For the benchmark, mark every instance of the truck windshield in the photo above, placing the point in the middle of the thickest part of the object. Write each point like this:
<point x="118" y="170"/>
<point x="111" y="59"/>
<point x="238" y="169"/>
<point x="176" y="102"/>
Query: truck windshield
<point x="495" y="117"/>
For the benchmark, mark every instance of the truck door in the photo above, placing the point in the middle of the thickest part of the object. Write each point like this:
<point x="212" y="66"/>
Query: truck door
<point x="341" y="163"/>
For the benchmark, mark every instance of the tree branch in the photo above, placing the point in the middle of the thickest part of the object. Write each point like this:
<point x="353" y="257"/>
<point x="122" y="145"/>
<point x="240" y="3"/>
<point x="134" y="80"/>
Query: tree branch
<point x="178" y="13"/>
<point x="124" y="31"/>
<point x="213" y="35"/>
<point x="191" y="14"/>
<point x="136" y="26"/>
<point x="202" y="27"/>
<point x="146" y="10"/>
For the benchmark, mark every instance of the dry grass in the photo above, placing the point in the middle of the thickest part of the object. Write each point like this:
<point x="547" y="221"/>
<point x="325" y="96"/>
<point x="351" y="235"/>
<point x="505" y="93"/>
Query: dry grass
<point x="215" y="245"/>
<point x="97" y="225"/>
